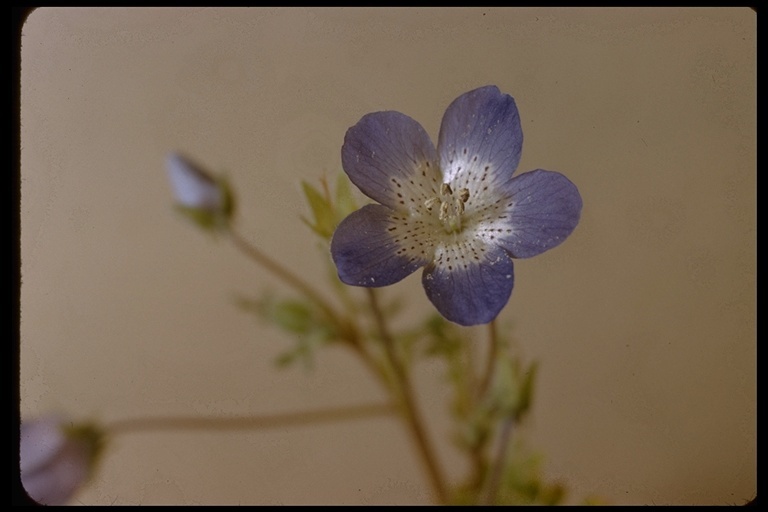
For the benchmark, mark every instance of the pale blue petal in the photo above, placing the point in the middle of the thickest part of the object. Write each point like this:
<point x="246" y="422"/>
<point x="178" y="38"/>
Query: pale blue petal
<point x="480" y="142"/>
<point x="473" y="290"/>
<point x="368" y="248"/>
<point x="392" y="160"/>
<point x="543" y="209"/>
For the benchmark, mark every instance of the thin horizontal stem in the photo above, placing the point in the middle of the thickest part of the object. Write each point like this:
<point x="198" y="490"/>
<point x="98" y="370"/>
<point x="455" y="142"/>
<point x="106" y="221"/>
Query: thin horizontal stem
<point x="219" y="423"/>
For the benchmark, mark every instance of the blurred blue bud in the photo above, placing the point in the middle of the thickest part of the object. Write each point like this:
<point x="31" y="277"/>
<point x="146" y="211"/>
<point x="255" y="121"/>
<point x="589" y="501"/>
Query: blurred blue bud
<point x="202" y="197"/>
<point x="56" y="458"/>
<point x="192" y="186"/>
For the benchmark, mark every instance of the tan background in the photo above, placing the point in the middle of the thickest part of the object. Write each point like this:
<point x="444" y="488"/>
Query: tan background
<point x="643" y="321"/>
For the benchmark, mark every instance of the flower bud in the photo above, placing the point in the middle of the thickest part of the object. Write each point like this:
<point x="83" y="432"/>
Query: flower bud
<point x="192" y="186"/>
<point x="203" y="198"/>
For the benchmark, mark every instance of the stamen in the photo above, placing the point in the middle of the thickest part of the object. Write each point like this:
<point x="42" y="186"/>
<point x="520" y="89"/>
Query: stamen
<point x="443" y="210"/>
<point x="451" y="207"/>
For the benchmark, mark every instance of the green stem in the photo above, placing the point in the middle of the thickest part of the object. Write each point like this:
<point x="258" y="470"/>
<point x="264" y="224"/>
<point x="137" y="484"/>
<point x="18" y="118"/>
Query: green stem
<point x="347" y="330"/>
<point x="493" y="351"/>
<point x="501" y="457"/>
<point x="477" y="452"/>
<point x="287" y="276"/>
<point x="141" y="424"/>
<point x="412" y="416"/>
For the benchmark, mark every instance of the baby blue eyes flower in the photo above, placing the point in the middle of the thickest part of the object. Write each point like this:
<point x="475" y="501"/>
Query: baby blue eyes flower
<point x="456" y="210"/>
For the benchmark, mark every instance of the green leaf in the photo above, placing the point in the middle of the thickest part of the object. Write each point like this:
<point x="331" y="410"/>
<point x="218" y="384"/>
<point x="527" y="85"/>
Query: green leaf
<point x="309" y="326"/>
<point x="304" y="350"/>
<point x="444" y="341"/>
<point x="513" y="388"/>
<point x="322" y="210"/>
<point x="523" y="482"/>
<point x="345" y="201"/>
<point x="526" y="391"/>
<point x="293" y="316"/>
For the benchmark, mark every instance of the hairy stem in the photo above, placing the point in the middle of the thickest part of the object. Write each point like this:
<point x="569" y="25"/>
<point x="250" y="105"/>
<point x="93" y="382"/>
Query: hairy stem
<point x="412" y="416"/>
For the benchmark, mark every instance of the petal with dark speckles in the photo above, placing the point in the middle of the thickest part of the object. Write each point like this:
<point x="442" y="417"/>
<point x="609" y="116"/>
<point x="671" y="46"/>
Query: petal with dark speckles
<point x="365" y="251"/>
<point x="471" y="294"/>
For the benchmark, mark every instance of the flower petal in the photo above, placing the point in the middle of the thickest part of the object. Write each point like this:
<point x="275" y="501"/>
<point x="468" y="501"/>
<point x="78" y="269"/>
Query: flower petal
<point x="470" y="292"/>
<point x="543" y="210"/>
<point x="368" y="250"/>
<point x="480" y="141"/>
<point x="391" y="159"/>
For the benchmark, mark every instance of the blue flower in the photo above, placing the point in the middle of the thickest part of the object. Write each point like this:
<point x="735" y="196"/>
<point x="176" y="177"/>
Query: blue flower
<point x="456" y="210"/>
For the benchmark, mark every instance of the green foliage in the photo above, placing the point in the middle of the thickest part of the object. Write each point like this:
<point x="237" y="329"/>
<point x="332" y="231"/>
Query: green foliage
<point x="309" y="327"/>
<point x="327" y="211"/>
<point x="479" y="404"/>
<point x="345" y="201"/>
<point x="303" y="319"/>
<point x="523" y="482"/>
<point x="322" y="211"/>
<point x="442" y="337"/>
<point x="513" y="389"/>
<point x="445" y="341"/>
<point x="479" y="412"/>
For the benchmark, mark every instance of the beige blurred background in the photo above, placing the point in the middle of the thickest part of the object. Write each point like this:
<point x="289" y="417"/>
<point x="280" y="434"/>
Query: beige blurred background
<point x="643" y="322"/>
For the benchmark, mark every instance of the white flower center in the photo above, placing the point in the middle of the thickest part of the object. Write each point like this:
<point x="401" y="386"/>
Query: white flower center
<point x="451" y="207"/>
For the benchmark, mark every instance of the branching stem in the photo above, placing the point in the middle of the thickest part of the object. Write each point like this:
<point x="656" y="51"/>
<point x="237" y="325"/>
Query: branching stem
<point x="283" y="273"/>
<point x="411" y="412"/>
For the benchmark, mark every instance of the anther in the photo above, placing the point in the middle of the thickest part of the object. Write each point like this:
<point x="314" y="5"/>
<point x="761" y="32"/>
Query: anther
<point x="443" y="211"/>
